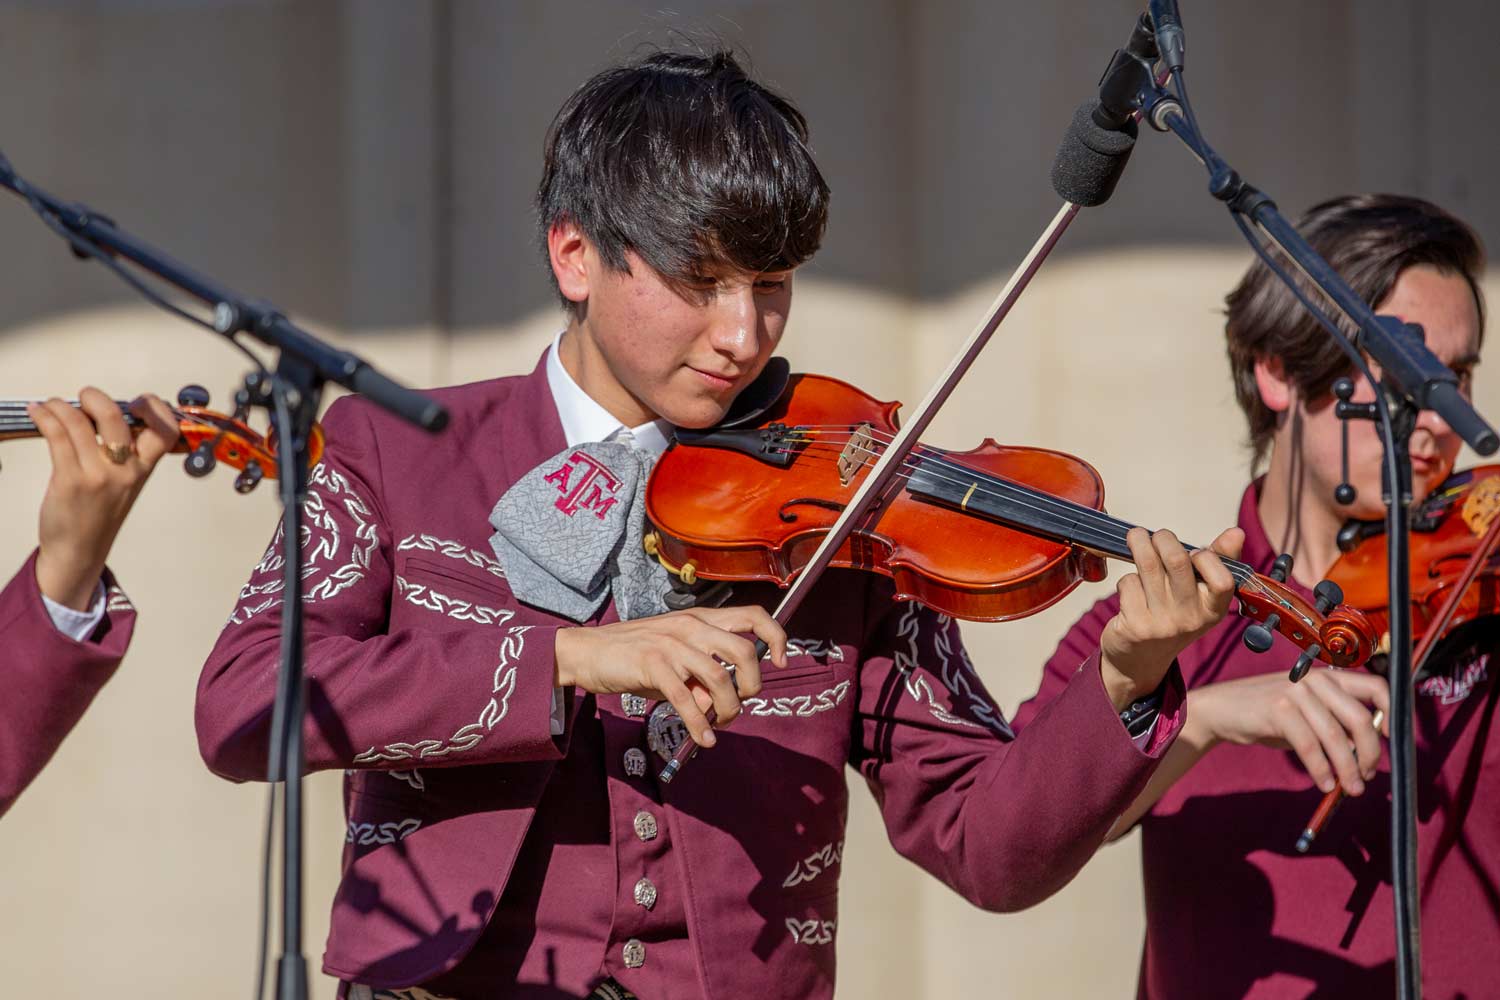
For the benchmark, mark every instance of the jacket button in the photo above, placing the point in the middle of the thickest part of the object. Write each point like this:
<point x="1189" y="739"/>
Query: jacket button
<point x="645" y="825"/>
<point x="635" y="762"/>
<point x="634" y="953"/>
<point x="645" y="893"/>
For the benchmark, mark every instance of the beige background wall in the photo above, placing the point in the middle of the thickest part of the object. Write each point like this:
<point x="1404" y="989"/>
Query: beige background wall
<point x="368" y="166"/>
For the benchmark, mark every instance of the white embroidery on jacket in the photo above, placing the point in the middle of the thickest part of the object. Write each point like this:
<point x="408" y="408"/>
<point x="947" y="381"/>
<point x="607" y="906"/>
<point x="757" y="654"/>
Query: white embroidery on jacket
<point x="381" y="833"/>
<point x="469" y="736"/>
<point x="825" y="648"/>
<point x="1453" y="688"/>
<point x="326" y="570"/>
<point x="955" y="671"/>
<point x="802" y="705"/>
<point x="456" y="608"/>
<point x="815" y="864"/>
<point x="453" y="550"/>
<point x="811" y="932"/>
<point x="115" y="600"/>
<point x="413" y="778"/>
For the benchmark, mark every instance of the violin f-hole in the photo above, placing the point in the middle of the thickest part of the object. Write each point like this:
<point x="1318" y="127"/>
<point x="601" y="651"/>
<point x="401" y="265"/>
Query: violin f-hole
<point x="787" y="517"/>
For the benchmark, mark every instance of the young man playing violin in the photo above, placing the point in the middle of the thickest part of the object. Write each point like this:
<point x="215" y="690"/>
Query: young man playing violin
<point x="1231" y="909"/>
<point x="64" y="620"/>
<point x="502" y="721"/>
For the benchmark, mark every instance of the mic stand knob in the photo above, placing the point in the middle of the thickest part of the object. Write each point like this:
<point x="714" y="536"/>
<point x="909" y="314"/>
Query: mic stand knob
<point x="1344" y="493"/>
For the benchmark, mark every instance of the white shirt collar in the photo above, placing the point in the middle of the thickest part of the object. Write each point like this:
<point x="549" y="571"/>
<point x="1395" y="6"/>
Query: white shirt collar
<point x="583" y="419"/>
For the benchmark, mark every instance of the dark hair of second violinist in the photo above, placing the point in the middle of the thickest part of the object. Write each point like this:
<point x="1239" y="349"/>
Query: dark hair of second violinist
<point x="1368" y="239"/>
<point x="690" y="164"/>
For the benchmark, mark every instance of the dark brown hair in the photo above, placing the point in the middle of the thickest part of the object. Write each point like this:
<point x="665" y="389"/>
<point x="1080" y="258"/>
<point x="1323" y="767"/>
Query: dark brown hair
<point x="1369" y="239"/>
<point x="687" y="162"/>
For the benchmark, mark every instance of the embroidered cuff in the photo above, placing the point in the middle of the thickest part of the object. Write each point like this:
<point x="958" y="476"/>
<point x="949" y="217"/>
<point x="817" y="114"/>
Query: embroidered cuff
<point x="77" y="625"/>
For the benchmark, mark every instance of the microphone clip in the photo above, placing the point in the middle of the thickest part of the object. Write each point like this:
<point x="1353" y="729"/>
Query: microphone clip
<point x="1129" y="81"/>
<point x="1344" y="493"/>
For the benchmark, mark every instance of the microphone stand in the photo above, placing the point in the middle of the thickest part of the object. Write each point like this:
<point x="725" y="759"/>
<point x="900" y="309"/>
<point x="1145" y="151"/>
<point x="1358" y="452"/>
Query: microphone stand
<point x="1413" y="380"/>
<point x="291" y="393"/>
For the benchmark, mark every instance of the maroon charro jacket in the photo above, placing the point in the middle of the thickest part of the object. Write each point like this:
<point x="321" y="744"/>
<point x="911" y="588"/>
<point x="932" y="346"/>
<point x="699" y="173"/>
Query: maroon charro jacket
<point x="1233" y="911"/>
<point x="49" y="679"/>
<point x="433" y="686"/>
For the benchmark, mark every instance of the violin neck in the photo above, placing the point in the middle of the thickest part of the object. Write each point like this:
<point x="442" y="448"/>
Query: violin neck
<point x="15" y="424"/>
<point x="1033" y="511"/>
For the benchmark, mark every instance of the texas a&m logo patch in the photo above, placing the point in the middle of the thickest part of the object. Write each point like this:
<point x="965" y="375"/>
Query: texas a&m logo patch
<point x="585" y="484"/>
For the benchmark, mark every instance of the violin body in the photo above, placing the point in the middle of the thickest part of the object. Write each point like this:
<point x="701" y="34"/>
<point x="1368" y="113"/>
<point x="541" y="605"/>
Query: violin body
<point x="738" y="523"/>
<point x="991" y="534"/>
<point x="1446" y="530"/>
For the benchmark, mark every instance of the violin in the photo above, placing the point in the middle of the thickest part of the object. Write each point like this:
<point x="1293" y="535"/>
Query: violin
<point x="1447" y="528"/>
<point x="207" y="438"/>
<point x="991" y="534"/>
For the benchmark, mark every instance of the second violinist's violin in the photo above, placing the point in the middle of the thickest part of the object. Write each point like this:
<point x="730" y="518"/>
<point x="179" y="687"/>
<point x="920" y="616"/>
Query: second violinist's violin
<point x="1447" y="531"/>
<point x="991" y="534"/>
<point x="208" y="438"/>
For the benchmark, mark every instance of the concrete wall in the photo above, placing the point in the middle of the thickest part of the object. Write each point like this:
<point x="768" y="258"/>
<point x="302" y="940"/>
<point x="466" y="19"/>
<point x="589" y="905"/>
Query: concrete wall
<point x="368" y="166"/>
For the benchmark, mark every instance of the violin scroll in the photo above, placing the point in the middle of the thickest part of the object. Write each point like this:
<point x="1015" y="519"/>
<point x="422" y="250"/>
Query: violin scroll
<point x="1327" y="629"/>
<point x="210" y="438"/>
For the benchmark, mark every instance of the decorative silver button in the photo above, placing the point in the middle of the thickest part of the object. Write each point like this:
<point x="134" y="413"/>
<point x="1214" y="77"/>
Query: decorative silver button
<point x="635" y="762"/>
<point x="665" y="730"/>
<point x="635" y="953"/>
<point x="645" y="825"/>
<point x="633" y="705"/>
<point x="645" y="893"/>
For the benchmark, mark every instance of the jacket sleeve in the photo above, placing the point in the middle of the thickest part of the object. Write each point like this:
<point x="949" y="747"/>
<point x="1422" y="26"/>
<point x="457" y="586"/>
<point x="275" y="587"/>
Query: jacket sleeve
<point x="1004" y="815"/>
<point x="49" y="678"/>
<point x="1081" y="641"/>
<point x="477" y="689"/>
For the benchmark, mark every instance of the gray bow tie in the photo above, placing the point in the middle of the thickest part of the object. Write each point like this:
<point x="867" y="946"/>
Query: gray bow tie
<point x="569" y="533"/>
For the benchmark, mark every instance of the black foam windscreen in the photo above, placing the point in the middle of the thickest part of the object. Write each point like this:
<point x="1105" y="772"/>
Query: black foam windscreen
<point x="1091" y="158"/>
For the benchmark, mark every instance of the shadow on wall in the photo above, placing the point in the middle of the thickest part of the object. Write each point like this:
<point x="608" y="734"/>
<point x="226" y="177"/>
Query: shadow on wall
<point x="370" y="165"/>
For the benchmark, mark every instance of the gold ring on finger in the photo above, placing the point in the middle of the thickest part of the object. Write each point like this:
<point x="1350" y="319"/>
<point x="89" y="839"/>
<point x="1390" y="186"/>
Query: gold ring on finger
<point x="117" y="453"/>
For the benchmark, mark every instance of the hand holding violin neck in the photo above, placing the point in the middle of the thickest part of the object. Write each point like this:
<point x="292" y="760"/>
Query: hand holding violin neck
<point x="1171" y="599"/>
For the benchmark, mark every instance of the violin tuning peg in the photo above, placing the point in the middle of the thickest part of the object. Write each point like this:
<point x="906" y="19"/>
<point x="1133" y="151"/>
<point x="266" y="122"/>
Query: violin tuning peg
<point x="1304" y="663"/>
<point x="200" y="461"/>
<point x="249" y="477"/>
<point x="192" y="395"/>
<point x="1281" y="568"/>
<point x="1259" y="637"/>
<point x="1327" y="596"/>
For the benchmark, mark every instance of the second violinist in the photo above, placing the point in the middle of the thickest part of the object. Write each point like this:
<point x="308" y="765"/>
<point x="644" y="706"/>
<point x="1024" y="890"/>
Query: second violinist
<point x="1231" y="909"/>
<point x="502" y="727"/>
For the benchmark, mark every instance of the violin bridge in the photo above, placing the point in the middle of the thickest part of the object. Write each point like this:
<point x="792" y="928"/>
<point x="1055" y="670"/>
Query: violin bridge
<point x="857" y="453"/>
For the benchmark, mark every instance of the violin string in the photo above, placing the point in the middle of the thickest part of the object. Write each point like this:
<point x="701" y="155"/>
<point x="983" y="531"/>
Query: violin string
<point x="1110" y="530"/>
<point x="1017" y="493"/>
<point x="1013" y="490"/>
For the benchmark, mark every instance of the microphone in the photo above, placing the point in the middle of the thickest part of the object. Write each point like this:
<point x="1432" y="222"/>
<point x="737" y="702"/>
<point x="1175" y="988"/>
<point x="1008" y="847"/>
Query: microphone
<point x="1098" y="142"/>
<point x="1170" y="41"/>
<point x="1091" y="157"/>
